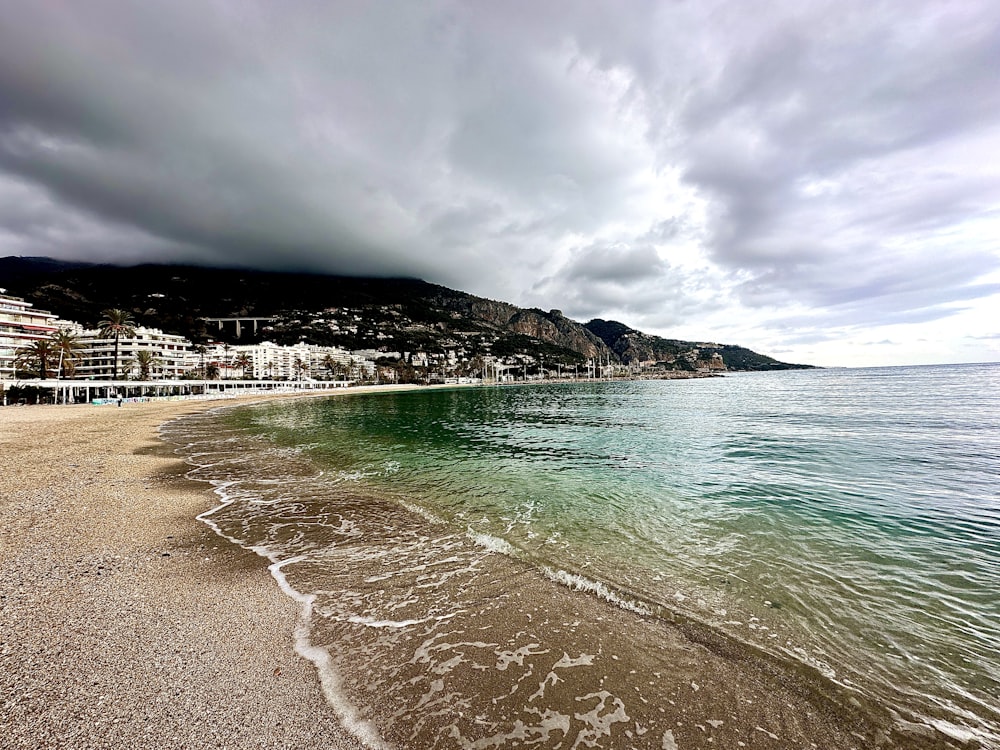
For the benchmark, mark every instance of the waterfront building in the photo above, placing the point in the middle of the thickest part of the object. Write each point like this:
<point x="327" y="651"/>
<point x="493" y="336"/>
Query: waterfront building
<point x="269" y="361"/>
<point x="172" y="355"/>
<point x="20" y="324"/>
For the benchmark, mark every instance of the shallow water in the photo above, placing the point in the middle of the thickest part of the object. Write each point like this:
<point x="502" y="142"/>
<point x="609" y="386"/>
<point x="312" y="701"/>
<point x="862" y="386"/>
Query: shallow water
<point x="787" y="539"/>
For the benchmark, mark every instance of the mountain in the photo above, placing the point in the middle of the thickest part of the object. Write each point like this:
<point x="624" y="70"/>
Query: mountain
<point x="632" y="346"/>
<point x="387" y="314"/>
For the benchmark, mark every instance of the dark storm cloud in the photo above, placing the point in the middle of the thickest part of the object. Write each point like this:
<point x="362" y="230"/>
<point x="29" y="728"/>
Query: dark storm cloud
<point x="822" y="161"/>
<point x="171" y="124"/>
<point x="382" y="139"/>
<point x="105" y="116"/>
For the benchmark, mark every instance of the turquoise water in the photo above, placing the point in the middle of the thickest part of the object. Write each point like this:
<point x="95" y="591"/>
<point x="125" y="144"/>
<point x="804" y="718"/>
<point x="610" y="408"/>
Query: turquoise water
<point x="843" y="521"/>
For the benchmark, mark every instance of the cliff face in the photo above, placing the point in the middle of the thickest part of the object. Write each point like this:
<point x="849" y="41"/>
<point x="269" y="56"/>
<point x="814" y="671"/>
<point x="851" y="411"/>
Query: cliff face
<point x="554" y="328"/>
<point x="551" y="328"/>
<point x="495" y="314"/>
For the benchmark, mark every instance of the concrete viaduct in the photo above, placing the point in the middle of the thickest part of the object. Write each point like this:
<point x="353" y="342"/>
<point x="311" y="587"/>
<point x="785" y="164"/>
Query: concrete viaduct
<point x="240" y="322"/>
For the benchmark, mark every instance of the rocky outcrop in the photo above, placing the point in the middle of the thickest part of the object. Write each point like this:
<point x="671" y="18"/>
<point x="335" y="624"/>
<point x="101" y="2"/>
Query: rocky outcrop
<point x="496" y="314"/>
<point x="632" y="346"/>
<point x="548" y="327"/>
<point x="554" y="328"/>
<point x="714" y="362"/>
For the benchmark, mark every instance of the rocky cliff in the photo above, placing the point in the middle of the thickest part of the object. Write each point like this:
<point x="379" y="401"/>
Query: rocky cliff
<point x="555" y="328"/>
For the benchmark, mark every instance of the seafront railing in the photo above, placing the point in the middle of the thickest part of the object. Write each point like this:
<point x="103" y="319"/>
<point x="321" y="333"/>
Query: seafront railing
<point x="99" y="392"/>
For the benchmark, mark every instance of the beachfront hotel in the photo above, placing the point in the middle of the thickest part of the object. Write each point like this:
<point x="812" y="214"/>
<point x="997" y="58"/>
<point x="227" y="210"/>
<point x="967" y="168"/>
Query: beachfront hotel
<point x="172" y="355"/>
<point x="269" y="361"/>
<point x="20" y="324"/>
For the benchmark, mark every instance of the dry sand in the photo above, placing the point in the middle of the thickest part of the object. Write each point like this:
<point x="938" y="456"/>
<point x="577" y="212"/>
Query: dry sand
<point x="124" y="622"/>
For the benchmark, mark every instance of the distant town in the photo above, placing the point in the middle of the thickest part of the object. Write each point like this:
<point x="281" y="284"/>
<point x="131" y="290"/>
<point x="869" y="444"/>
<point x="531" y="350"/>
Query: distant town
<point x="43" y="357"/>
<point x="77" y="331"/>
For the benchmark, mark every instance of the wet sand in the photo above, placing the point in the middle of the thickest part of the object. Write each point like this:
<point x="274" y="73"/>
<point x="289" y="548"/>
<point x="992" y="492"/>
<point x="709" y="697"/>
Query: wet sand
<point x="124" y="622"/>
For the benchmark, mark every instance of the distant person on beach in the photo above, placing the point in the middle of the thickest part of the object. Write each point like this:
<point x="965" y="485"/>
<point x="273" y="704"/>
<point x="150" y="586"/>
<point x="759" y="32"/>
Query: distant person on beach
<point x="119" y="400"/>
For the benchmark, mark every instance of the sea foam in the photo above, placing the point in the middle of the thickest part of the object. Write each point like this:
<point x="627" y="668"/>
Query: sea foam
<point x="330" y="680"/>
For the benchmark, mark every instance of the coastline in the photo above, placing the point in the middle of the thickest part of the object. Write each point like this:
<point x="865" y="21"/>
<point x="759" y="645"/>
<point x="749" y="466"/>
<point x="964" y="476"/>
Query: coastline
<point x="696" y="682"/>
<point x="125" y="621"/>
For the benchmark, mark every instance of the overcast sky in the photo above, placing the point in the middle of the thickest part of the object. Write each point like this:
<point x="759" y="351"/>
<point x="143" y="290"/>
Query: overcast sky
<point x="819" y="181"/>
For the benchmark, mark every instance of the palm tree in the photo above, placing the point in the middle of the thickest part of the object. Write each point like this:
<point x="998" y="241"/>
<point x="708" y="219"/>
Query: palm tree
<point x="36" y="357"/>
<point x="301" y="367"/>
<point x="201" y="350"/>
<point x="146" y="360"/>
<point x="67" y="345"/>
<point x="330" y="364"/>
<point x="212" y="371"/>
<point x="115" y="324"/>
<point x="244" y="361"/>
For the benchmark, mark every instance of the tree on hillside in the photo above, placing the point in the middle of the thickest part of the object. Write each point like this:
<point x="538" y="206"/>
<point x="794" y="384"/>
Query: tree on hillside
<point x="36" y="358"/>
<point x="67" y="348"/>
<point x="115" y="324"/>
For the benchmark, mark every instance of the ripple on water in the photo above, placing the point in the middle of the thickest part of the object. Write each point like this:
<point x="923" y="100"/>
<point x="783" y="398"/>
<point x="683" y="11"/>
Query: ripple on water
<point x="805" y="514"/>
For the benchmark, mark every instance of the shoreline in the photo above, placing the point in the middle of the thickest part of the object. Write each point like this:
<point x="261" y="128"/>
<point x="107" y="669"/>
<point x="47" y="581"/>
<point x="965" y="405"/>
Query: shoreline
<point x="254" y="389"/>
<point x="742" y="688"/>
<point x="125" y="621"/>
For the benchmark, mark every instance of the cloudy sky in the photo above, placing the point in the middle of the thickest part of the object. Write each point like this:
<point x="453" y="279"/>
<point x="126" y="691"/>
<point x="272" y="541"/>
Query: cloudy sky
<point x="819" y="181"/>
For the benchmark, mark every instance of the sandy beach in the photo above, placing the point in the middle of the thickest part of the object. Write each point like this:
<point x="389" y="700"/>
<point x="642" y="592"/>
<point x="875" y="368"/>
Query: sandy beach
<point x="124" y="622"/>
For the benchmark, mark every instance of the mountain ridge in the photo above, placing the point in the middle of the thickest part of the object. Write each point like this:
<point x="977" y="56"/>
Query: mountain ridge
<point x="389" y="314"/>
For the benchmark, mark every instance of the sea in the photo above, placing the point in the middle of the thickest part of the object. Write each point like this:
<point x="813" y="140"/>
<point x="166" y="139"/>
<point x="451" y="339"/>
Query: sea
<point x="806" y="558"/>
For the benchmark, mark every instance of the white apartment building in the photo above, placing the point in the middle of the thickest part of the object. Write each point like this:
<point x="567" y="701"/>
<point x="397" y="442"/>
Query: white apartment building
<point x="269" y="361"/>
<point x="173" y="356"/>
<point x="19" y="326"/>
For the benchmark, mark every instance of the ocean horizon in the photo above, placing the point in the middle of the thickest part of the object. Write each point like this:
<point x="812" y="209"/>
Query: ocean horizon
<point x="759" y="559"/>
